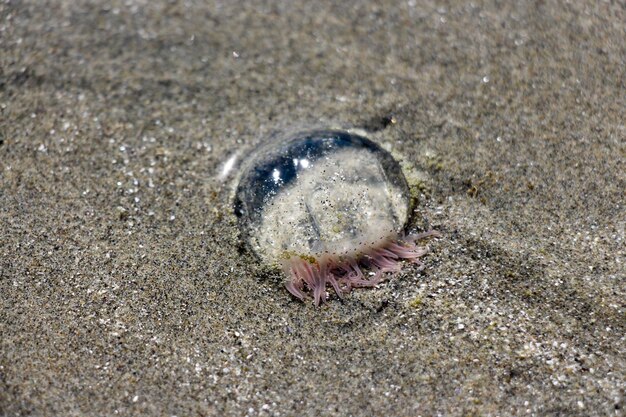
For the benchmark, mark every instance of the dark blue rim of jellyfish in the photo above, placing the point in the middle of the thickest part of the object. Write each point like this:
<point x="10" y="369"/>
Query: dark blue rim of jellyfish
<point x="258" y="185"/>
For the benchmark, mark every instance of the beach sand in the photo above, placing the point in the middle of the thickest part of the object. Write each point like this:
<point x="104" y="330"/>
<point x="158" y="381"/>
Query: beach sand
<point x="125" y="288"/>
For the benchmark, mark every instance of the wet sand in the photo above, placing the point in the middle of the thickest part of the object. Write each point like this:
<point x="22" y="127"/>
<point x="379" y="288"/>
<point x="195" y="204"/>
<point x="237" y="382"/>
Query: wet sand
<point x="125" y="288"/>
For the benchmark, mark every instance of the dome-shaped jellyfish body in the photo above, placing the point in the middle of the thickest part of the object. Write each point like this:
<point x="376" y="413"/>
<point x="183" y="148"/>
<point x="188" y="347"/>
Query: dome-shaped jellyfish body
<point x="328" y="205"/>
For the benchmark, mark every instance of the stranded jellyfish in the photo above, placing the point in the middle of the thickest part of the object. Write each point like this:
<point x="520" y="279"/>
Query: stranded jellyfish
<point x="330" y="208"/>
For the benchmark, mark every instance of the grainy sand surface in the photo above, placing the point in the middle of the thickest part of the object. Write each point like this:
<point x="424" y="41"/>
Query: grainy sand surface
<point x="124" y="286"/>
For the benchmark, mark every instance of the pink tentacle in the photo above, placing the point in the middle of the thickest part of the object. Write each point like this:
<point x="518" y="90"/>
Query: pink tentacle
<point x="373" y="281"/>
<point x="387" y="252"/>
<point x="410" y="251"/>
<point x="355" y="269"/>
<point x="333" y="281"/>
<point x="419" y="236"/>
<point x="295" y="290"/>
<point x="319" y="288"/>
<point x="385" y="264"/>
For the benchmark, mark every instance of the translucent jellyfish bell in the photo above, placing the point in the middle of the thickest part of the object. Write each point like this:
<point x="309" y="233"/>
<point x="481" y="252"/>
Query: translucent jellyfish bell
<point x="325" y="204"/>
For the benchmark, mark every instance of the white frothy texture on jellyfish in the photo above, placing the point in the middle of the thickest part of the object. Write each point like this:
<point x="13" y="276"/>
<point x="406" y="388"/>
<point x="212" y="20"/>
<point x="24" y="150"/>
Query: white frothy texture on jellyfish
<point x="330" y="207"/>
